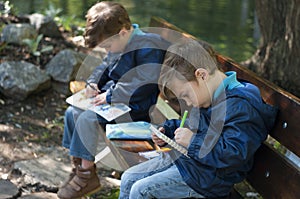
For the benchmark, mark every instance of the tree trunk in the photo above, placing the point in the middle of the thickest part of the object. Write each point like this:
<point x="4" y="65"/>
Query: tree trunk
<point x="278" y="57"/>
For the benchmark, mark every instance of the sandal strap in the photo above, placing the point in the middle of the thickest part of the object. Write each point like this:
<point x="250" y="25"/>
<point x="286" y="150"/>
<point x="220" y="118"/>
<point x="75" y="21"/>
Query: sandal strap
<point x="74" y="186"/>
<point x="79" y="181"/>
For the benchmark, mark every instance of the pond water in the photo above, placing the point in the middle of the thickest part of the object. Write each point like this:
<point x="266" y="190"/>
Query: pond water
<point x="230" y="26"/>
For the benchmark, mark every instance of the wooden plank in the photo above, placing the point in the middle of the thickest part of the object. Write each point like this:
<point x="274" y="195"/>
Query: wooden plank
<point x="273" y="175"/>
<point x="134" y="145"/>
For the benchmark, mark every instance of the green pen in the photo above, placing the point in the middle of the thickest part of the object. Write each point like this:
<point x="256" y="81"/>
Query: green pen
<point x="183" y="118"/>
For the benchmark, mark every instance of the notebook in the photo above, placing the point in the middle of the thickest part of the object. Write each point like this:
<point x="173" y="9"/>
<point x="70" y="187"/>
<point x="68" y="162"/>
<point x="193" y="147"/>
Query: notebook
<point x="129" y="131"/>
<point x="107" y="111"/>
<point x="171" y="142"/>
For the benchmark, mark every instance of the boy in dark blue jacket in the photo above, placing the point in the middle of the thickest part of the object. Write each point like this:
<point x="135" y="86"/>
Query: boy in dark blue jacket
<point x="227" y="124"/>
<point x="128" y="74"/>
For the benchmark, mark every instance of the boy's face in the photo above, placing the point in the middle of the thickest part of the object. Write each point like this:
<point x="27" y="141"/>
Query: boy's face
<point x="194" y="93"/>
<point x="116" y="43"/>
<point x="112" y="44"/>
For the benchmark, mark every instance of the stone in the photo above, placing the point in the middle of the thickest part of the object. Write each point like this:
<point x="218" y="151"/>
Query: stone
<point x="8" y="189"/>
<point x="16" y="33"/>
<point x="64" y="65"/>
<point x="45" y="25"/>
<point x="48" y="170"/>
<point x="18" y="79"/>
<point x="41" y="195"/>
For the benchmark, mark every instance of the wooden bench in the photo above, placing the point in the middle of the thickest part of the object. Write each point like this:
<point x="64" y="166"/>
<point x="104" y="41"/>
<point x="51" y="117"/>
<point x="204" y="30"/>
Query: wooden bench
<point x="276" y="170"/>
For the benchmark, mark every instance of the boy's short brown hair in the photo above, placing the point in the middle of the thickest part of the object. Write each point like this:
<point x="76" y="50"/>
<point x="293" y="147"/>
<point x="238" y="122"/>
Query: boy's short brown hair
<point x="183" y="59"/>
<point x="104" y="20"/>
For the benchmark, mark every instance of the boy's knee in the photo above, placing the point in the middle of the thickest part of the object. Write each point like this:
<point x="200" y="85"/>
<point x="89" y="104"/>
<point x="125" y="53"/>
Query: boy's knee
<point x="69" y="112"/>
<point x="127" y="181"/>
<point x="72" y="113"/>
<point x="87" y="116"/>
<point x="125" y="177"/>
<point x="139" y="190"/>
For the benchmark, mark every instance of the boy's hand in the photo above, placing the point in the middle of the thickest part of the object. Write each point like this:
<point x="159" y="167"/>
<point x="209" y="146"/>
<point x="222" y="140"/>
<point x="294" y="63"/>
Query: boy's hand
<point x="100" y="99"/>
<point x="92" y="92"/>
<point x="183" y="136"/>
<point x="156" y="139"/>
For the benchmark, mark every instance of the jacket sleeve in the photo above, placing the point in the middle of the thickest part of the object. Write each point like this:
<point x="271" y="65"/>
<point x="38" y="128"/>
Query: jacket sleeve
<point x="240" y="136"/>
<point x="140" y="79"/>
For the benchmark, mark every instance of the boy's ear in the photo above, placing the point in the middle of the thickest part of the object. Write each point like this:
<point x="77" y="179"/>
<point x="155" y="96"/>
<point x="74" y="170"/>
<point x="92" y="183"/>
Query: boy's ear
<point x="123" y="32"/>
<point x="201" y="73"/>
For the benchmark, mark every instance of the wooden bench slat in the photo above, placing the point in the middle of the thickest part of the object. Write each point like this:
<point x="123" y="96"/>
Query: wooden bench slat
<point x="273" y="176"/>
<point x="134" y="145"/>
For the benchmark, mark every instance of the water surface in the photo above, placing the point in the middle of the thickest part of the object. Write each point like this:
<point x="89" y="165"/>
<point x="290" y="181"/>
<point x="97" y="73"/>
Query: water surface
<point x="228" y="25"/>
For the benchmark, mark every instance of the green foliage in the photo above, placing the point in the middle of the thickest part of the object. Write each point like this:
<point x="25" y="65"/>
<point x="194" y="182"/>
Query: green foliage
<point x="52" y="12"/>
<point x="65" y="22"/>
<point x="33" y="45"/>
<point x="112" y="194"/>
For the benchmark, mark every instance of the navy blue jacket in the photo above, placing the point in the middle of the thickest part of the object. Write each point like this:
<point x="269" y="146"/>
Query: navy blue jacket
<point x="131" y="76"/>
<point x="227" y="136"/>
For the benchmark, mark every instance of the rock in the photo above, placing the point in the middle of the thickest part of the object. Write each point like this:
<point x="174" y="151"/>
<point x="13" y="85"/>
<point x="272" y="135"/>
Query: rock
<point x="45" y="170"/>
<point x="61" y="87"/>
<point x="19" y="79"/>
<point x="45" y="25"/>
<point x="8" y="189"/>
<point x="16" y="33"/>
<point x="64" y="66"/>
<point x="89" y="63"/>
<point x="41" y="195"/>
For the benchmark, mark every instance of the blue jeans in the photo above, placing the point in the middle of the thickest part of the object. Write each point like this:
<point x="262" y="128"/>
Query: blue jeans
<point x="155" y="178"/>
<point x="83" y="130"/>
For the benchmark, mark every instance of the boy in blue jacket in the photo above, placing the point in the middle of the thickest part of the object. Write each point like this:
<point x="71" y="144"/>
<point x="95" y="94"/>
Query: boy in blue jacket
<point x="227" y="124"/>
<point x="128" y="74"/>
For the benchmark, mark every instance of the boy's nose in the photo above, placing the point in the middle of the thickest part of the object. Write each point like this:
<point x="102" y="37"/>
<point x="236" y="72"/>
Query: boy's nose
<point x="188" y="102"/>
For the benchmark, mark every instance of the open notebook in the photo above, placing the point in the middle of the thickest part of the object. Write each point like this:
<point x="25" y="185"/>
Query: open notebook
<point x="107" y="111"/>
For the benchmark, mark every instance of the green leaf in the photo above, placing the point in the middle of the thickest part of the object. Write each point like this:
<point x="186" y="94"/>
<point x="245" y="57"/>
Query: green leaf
<point x="37" y="53"/>
<point x="46" y="49"/>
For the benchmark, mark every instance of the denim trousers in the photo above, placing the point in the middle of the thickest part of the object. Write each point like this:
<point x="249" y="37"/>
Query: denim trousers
<point x="83" y="131"/>
<point x="155" y="178"/>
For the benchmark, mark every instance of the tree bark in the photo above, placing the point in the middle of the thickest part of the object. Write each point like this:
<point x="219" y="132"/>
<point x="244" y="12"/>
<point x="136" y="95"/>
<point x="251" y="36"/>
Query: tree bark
<point x="278" y="56"/>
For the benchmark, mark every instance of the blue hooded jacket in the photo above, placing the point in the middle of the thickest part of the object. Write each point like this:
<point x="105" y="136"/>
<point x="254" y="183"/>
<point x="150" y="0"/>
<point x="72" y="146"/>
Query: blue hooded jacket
<point x="227" y="134"/>
<point x="131" y="77"/>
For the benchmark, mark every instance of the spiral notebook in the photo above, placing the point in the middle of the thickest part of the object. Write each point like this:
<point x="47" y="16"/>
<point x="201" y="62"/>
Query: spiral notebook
<point x="171" y="142"/>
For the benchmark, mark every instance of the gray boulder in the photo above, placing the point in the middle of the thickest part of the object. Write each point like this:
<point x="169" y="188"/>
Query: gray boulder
<point x="19" y="79"/>
<point x="64" y="66"/>
<point x="16" y="33"/>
